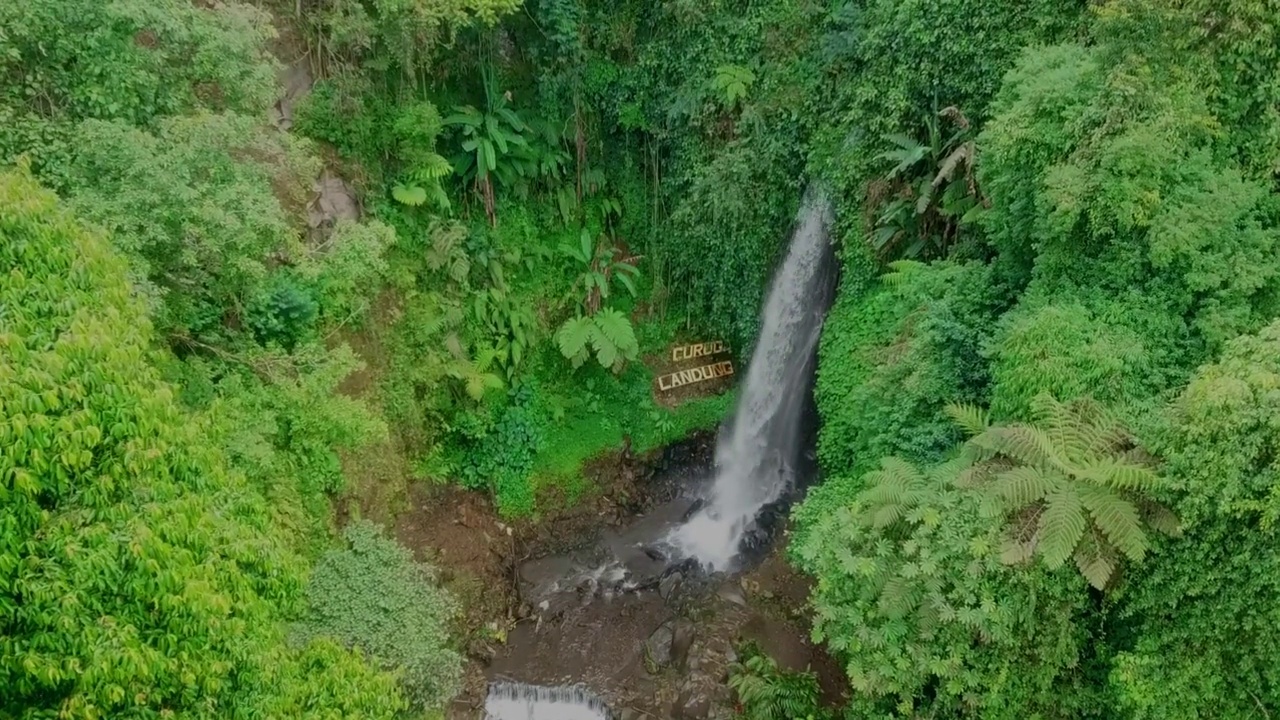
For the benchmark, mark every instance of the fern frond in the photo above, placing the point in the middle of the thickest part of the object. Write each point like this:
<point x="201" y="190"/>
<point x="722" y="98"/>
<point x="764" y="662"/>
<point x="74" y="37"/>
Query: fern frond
<point x="433" y="167"/>
<point x="886" y="515"/>
<point x="1117" y="519"/>
<point x="1128" y="476"/>
<point x="1015" y="552"/>
<point x="947" y="473"/>
<point x="898" y="598"/>
<point x="897" y="472"/>
<point x="900" y="271"/>
<point x="1093" y="560"/>
<point x="1024" y="443"/>
<point x="1023" y="486"/>
<point x="971" y="418"/>
<point x="1061" y="526"/>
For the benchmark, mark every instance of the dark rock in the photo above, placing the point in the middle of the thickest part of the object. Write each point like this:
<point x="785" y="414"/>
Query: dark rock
<point x="482" y="652"/>
<point x="682" y="636"/>
<point x="669" y="584"/>
<point x="732" y="593"/>
<point x="693" y="509"/>
<point x="690" y="705"/>
<point x="657" y="649"/>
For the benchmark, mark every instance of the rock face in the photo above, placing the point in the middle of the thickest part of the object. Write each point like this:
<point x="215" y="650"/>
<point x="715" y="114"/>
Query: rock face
<point x="682" y="636"/>
<point x="335" y="200"/>
<point x="690" y="705"/>
<point x="657" y="649"/>
<point x="669" y="585"/>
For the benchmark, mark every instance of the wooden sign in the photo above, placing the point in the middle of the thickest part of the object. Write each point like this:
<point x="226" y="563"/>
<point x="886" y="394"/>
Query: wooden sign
<point x="671" y="381"/>
<point x="697" y="350"/>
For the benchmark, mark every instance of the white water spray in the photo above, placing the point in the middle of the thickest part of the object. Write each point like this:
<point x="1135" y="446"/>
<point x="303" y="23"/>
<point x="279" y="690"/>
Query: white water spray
<point x="517" y="701"/>
<point x="756" y="456"/>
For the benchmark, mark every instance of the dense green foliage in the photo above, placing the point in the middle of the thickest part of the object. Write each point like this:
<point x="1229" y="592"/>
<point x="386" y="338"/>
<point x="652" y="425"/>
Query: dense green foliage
<point x="1046" y="384"/>
<point x="1215" y="589"/>
<point x="1124" y="234"/>
<point x="141" y="575"/>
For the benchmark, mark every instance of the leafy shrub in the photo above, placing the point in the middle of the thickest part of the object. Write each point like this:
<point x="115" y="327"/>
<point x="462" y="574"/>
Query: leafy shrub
<point x="894" y="68"/>
<point x="914" y="598"/>
<point x="199" y="207"/>
<point x="350" y="266"/>
<point x="133" y="61"/>
<point x="283" y="312"/>
<point x="766" y="692"/>
<point x="1110" y="177"/>
<point x="134" y="497"/>
<point x="1216" y="588"/>
<point x="371" y="594"/>
<point x="892" y="358"/>
<point x="727" y="234"/>
<point x="1068" y="351"/>
<point x="502" y="458"/>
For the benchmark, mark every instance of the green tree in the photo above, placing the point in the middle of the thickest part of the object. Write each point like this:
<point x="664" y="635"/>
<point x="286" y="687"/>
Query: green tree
<point x="912" y="596"/>
<point x="132" y="61"/>
<point x="198" y="207"/>
<point x="1217" y="588"/>
<point x="138" y="576"/>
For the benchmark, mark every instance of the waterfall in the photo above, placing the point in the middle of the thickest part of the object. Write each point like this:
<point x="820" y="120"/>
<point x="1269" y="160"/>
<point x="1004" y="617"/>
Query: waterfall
<point x="517" y="701"/>
<point x="758" y="451"/>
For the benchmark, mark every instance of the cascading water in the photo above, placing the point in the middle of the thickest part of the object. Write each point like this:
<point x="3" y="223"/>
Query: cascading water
<point x="757" y="454"/>
<point x="517" y="701"/>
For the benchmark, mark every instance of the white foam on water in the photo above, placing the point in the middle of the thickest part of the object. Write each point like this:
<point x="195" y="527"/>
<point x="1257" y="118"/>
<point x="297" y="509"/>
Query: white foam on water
<point x="755" y="456"/>
<point x="517" y="701"/>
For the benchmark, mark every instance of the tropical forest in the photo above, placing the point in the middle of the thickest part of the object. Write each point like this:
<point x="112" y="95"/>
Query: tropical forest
<point x="640" y="359"/>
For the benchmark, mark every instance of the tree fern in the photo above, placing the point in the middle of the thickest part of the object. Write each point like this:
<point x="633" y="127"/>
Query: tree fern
<point x="572" y="339"/>
<point x="608" y="335"/>
<point x="971" y="418"/>
<point x="1061" y="526"/>
<point x="1069" y="485"/>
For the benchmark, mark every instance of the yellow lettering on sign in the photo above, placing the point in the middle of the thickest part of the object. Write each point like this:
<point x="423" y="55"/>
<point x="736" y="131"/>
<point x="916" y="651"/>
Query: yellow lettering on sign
<point x="671" y="381"/>
<point x="697" y="350"/>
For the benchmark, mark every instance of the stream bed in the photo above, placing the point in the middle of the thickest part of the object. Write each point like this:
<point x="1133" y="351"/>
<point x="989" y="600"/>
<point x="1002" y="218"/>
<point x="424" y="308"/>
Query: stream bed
<point x="647" y="635"/>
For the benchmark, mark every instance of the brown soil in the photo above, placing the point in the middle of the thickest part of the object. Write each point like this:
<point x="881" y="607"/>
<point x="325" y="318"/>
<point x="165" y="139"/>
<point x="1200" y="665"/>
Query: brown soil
<point x="781" y="625"/>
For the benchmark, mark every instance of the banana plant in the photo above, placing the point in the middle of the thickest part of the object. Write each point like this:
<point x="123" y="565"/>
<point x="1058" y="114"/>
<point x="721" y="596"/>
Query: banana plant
<point x="930" y="192"/>
<point x="489" y="136"/>
<point x="604" y="265"/>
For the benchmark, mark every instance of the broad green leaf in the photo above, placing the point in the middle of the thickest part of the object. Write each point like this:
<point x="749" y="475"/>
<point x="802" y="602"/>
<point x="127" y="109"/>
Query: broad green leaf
<point x="413" y="196"/>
